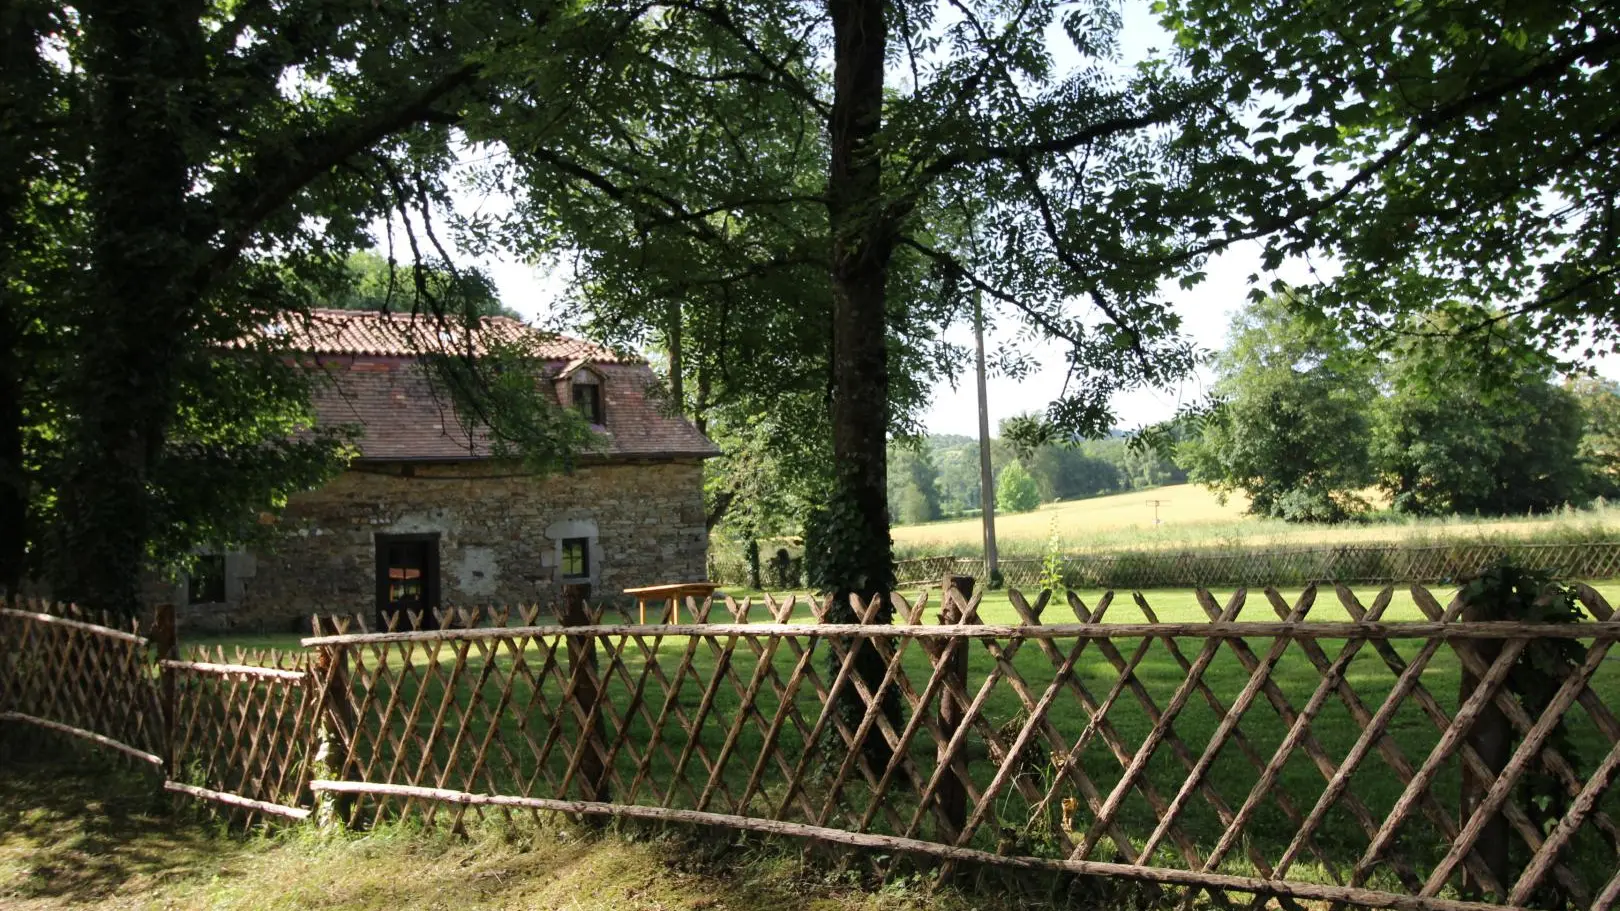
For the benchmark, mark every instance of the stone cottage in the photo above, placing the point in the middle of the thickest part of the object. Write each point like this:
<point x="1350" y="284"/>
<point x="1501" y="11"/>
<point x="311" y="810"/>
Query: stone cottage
<point x="427" y="515"/>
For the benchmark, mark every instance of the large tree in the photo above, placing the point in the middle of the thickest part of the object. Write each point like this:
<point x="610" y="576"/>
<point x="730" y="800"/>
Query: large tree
<point x="1294" y="428"/>
<point x="1484" y="431"/>
<point x="1062" y="194"/>
<point x="1600" y="441"/>
<point x="187" y="173"/>
<point x="40" y="166"/>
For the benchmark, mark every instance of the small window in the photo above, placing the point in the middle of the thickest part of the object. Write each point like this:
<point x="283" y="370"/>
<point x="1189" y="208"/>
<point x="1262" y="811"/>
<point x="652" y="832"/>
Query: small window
<point x="588" y="399"/>
<point x="207" y="584"/>
<point x="576" y="558"/>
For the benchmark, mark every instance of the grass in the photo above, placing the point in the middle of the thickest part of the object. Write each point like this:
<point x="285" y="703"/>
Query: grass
<point x="1193" y="517"/>
<point x="1231" y="775"/>
<point x="77" y="833"/>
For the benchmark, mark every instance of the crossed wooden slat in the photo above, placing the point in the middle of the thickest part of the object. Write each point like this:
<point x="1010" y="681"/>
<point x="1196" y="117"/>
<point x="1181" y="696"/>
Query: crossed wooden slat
<point x="457" y="741"/>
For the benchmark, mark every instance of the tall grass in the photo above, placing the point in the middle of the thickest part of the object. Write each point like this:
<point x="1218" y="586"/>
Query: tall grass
<point x="1598" y="524"/>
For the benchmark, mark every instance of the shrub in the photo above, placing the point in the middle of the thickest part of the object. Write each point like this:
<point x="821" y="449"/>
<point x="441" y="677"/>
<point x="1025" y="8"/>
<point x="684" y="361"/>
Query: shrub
<point x="1016" y="491"/>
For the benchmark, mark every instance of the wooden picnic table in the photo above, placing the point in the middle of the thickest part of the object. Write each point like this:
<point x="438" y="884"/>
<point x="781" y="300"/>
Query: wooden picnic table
<point x="673" y="592"/>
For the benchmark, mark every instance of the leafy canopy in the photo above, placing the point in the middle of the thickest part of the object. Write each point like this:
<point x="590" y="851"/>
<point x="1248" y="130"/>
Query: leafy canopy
<point x="1294" y="428"/>
<point x="1459" y="160"/>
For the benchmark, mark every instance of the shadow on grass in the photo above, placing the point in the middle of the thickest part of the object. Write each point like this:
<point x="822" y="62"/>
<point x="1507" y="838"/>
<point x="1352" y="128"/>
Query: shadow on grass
<point x="78" y="828"/>
<point x="80" y="832"/>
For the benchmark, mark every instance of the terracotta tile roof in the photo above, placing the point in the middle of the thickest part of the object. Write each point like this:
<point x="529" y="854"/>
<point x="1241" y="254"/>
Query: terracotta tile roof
<point x="402" y="417"/>
<point x="365" y="332"/>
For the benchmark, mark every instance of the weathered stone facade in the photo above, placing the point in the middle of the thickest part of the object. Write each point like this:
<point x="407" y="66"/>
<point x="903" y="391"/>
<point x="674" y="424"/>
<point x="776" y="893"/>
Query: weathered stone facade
<point x="430" y="514"/>
<point x="500" y="534"/>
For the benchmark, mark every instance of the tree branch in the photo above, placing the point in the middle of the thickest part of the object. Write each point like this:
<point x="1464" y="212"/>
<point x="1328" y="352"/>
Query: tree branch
<point x="1097" y="131"/>
<point x="951" y="262"/>
<point x="313" y="155"/>
<point x="719" y="15"/>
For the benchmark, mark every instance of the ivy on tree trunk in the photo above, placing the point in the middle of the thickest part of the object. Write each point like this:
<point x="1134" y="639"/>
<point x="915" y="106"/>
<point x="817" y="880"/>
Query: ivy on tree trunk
<point x="859" y="561"/>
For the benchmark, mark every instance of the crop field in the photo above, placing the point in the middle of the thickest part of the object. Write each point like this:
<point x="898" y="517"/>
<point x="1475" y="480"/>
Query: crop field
<point x="1191" y="515"/>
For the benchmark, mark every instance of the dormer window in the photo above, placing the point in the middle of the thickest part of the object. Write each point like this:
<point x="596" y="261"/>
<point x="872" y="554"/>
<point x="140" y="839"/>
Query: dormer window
<point x="588" y="399"/>
<point x="580" y="385"/>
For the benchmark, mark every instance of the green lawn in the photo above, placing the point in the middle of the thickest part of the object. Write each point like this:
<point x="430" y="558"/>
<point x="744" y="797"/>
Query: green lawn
<point x="517" y="759"/>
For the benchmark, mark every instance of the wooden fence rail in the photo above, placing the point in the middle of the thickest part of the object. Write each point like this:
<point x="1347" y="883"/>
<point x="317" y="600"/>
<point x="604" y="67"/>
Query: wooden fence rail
<point x="232" y="731"/>
<point x="1317" y="751"/>
<point x="1300" y="755"/>
<point x="1359" y="564"/>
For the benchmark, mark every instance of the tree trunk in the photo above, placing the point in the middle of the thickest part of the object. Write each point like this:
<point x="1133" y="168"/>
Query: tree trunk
<point x="20" y="80"/>
<point x="751" y="550"/>
<point x="861" y="561"/>
<point x="13" y="466"/>
<point x="140" y="298"/>
<point x="861" y="245"/>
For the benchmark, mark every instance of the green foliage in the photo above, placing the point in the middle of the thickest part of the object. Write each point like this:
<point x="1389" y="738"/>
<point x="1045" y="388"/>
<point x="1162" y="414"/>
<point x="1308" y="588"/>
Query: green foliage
<point x="1293" y="430"/>
<point x="1016" y="491"/>
<point x="1053" y="578"/>
<point x="1308" y="420"/>
<point x="242" y="442"/>
<point x="1062" y="471"/>
<point x="913" y="484"/>
<point x="1483" y="431"/>
<point x="784" y="234"/>
<point x="496" y="396"/>
<point x="145" y="232"/>
<point x="1600" y="440"/>
<point x="751" y="555"/>
<point x="1027" y="433"/>
<point x="1066" y="473"/>
<point x="769" y="474"/>
<point x="372" y="281"/>
<point x="1457" y="156"/>
<point x="836" y="545"/>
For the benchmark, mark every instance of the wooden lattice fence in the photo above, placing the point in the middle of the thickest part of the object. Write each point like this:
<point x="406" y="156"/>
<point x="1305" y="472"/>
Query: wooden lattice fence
<point x="1323" y="753"/>
<point x="1332" y="770"/>
<point x="83" y="675"/>
<point x="1370" y="564"/>
<point x="243" y="728"/>
<point x="234" y="732"/>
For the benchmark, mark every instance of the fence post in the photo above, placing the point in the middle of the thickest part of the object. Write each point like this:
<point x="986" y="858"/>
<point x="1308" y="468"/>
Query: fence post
<point x="952" y="795"/>
<point x="582" y="666"/>
<point x="331" y="666"/>
<point x="1492" y="737"/>
<point x="166" y="646"/>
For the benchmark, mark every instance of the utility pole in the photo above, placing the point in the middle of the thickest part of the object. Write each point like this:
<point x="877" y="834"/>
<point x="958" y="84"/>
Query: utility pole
<point x="987" y="490"/>
<point x="1156" y="504"/>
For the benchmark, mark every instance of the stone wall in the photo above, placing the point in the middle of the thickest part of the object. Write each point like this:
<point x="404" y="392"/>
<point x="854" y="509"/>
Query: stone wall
<point x="500" y="538"/>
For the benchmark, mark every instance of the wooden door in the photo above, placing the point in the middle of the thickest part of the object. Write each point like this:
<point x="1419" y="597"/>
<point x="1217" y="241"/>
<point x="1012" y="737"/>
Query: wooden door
<point x="407" y="579"/>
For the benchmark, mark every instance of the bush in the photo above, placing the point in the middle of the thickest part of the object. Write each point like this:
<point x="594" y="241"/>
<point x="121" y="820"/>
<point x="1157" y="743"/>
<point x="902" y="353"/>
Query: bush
<point x="1310" y="504"/>
<point x="1016" y="491"/>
